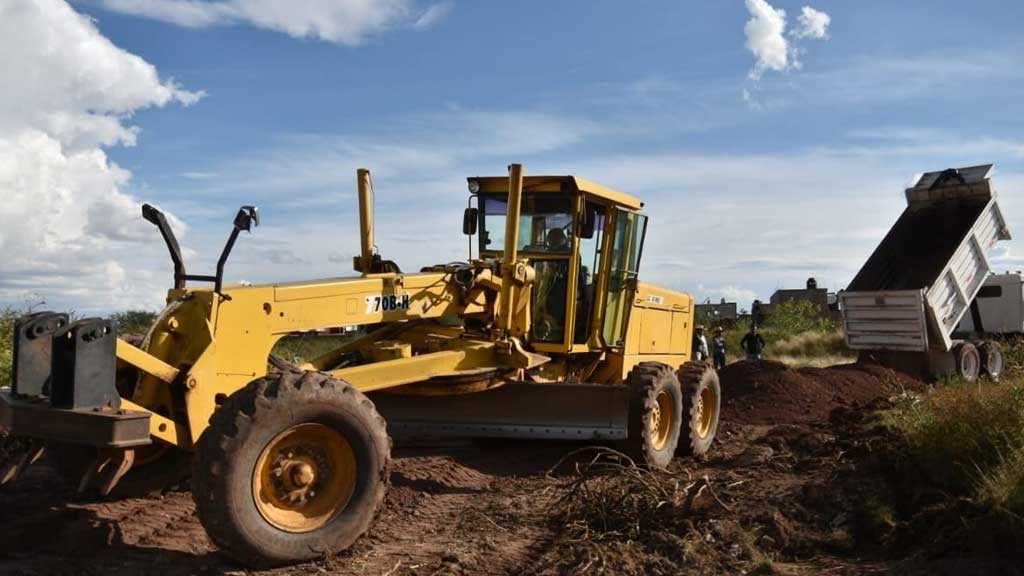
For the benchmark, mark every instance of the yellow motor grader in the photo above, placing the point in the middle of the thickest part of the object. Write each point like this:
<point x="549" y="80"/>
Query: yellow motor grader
<point x="546" y="334"/>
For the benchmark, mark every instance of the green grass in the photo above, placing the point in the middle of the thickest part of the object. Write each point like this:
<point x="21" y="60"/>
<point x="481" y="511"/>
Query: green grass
<point x="305" y="347"/>
<point x="795" y="334"/>
<point x="134" y="322"/>
<point x="7" y="318"/>
<point x="969" y="440"/>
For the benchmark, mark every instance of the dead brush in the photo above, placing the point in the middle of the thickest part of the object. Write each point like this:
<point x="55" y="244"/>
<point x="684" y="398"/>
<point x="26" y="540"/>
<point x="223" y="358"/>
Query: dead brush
<point x="609" y="497"/>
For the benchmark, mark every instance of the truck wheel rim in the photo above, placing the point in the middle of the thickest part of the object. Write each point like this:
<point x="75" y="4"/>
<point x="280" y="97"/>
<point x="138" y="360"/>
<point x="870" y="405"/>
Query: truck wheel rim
<point x="995" y="363"/>
<point x="705" y="412"/>
<point x="304" y="477"/>
<point x="970" y="365"/>
<point x="661" y="419"/>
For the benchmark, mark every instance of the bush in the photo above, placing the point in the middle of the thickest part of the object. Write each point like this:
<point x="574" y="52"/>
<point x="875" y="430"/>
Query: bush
<point x="794" y="317"/>
<point x="136" y="322"/>
<point x="7" y="318"/>
<point x="969" y="440"/>
<point x="795" y="333"/>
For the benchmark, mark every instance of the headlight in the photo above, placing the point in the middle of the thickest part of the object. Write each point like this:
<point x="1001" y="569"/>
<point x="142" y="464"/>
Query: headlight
<point x="474" y="186"/>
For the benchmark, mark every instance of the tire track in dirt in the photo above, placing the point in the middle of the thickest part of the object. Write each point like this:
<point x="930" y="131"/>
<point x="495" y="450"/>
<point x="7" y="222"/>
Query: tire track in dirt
<point x="448" y="514"/>
<point x="454" y="507"/>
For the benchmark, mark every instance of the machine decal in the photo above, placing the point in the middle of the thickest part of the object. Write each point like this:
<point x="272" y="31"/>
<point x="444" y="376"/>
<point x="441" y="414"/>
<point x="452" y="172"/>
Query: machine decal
<point x="655" y="299"/>
<point x="387" y="303"/>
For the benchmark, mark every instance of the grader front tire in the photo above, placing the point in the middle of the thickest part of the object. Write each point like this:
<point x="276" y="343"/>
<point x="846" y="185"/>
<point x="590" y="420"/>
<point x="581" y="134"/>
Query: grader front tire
<point x="702" y="404"/>
<point x="292" y="467"/>
<point x="655" y="407"/>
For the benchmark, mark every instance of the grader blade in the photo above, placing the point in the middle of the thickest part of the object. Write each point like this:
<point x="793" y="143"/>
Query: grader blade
<point x="521" y="410"/>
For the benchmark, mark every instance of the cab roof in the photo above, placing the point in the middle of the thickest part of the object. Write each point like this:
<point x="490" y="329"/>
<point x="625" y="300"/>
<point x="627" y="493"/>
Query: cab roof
<point x="499" y="185"/>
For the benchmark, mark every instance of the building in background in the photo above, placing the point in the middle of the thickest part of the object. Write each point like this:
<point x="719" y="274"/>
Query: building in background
<point x="723" y="313"/>
<point x="824" y="300"/>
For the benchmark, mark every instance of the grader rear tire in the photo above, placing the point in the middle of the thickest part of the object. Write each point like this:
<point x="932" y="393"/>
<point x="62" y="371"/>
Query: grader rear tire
<point x="702" y="404"/>
<point x="293" y="467"/>
<point x="655" y="407"/>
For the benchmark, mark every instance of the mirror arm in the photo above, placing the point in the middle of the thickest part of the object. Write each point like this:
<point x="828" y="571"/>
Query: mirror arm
<point x="247" y="217"/>
<point x="154" y="216"/>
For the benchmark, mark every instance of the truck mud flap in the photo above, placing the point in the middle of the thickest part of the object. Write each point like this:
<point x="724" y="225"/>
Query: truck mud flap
<point x="520" y="410"/>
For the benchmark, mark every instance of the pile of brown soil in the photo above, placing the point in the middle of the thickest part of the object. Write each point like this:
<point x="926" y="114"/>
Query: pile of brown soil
<point x="767" y="392"/>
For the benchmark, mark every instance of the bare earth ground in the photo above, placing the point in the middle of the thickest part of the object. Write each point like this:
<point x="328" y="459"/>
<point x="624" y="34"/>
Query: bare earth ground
<point x="786" y="483"/>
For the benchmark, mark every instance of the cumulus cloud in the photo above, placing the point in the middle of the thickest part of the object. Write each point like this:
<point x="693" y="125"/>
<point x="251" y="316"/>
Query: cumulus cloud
<point x="67" y="94"/>
<point x="766" y="36"/>
<point x="347" y="22"/>
<point x="812" y="23"/>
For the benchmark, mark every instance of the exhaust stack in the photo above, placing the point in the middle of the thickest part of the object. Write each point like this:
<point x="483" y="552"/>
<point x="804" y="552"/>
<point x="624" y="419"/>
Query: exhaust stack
<point x="511" y="255"/>
<point x="364" y="262"/>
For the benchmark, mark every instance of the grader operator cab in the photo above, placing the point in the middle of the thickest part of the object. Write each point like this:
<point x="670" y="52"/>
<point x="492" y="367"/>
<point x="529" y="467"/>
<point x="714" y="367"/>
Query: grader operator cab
<point x="547" y="334"/>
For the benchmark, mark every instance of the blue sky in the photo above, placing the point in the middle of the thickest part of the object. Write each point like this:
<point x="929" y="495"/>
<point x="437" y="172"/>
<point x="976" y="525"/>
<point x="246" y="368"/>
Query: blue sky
<point x="751" y="183"/>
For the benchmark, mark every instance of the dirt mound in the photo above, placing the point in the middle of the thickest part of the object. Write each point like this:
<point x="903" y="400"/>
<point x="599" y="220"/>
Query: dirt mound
<point x="767" y="392"/>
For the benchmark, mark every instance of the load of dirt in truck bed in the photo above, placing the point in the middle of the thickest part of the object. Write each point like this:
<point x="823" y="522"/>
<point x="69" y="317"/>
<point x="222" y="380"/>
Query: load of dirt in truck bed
<point x="767" y="392"/>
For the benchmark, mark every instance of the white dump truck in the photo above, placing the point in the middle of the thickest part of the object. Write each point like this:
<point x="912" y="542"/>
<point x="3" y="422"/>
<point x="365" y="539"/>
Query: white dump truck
<point x="905" y="304"/>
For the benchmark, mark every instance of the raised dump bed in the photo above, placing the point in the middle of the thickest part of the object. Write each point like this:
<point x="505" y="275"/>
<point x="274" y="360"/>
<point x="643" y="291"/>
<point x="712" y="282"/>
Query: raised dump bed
<point x="906" y="301"/>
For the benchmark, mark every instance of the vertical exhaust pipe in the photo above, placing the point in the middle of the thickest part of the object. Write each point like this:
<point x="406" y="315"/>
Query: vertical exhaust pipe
<point x="364" y="263"/>
<point x="511" y="255"/>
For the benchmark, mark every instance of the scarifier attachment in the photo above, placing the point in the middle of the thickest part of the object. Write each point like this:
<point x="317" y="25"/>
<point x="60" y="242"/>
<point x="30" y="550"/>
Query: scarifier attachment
<point x="33" y="350"/>
<point x="84" y="366"/>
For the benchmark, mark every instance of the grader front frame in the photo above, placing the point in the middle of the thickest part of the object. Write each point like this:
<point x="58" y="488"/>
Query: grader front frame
<point x="547" y="334"/>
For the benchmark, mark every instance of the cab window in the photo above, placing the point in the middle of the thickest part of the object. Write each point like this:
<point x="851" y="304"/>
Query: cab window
<point x="545" y="223"/>
<point x="590" y="265"/>
<point x="627" y="246"/>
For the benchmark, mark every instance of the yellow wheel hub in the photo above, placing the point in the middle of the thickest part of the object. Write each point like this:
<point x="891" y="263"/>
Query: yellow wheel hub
<point x="661" y="419"/>
<point x="304" y="478"/>
<point x="705" y="411"/>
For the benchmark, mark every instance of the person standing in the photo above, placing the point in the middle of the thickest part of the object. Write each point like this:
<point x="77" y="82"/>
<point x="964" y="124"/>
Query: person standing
<point x="718" y="348"/>
<point x="752" y="343"/>
<point x="700" y="345"/>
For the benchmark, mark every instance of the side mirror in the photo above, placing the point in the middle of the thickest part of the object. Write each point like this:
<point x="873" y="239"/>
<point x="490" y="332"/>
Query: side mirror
<point x="469" y="221"/>
<point x="589" y="222"/>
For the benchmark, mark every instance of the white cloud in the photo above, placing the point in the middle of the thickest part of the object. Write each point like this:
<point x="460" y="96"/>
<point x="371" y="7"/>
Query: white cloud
<point x="766" y="36"/>
<point x="764" y="221"/>
<point x="766" y="39"/>
<point x="347" y="22"/>
<point x="65" y="215"/>
<point x="812" y="23"/>
<point x="731" y="293"/>
<point x="433" y="15"/>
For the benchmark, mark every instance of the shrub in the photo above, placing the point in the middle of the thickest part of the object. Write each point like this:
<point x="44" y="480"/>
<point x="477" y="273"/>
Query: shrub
<point x="795" y="333"/>
<point x="794" y="317"/>
<point x="7" y="318"/>
<point x="134" y="321"/>
<point x="969" y="440"/>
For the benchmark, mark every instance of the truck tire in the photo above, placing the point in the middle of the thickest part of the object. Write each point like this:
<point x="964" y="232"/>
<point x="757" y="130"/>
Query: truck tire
<point x="991" y="359"/>
<point x="968" y="361"/>
<point x="655" y="410"/>
<point x="702" y="404"/>
<point x="293" y="467"/>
